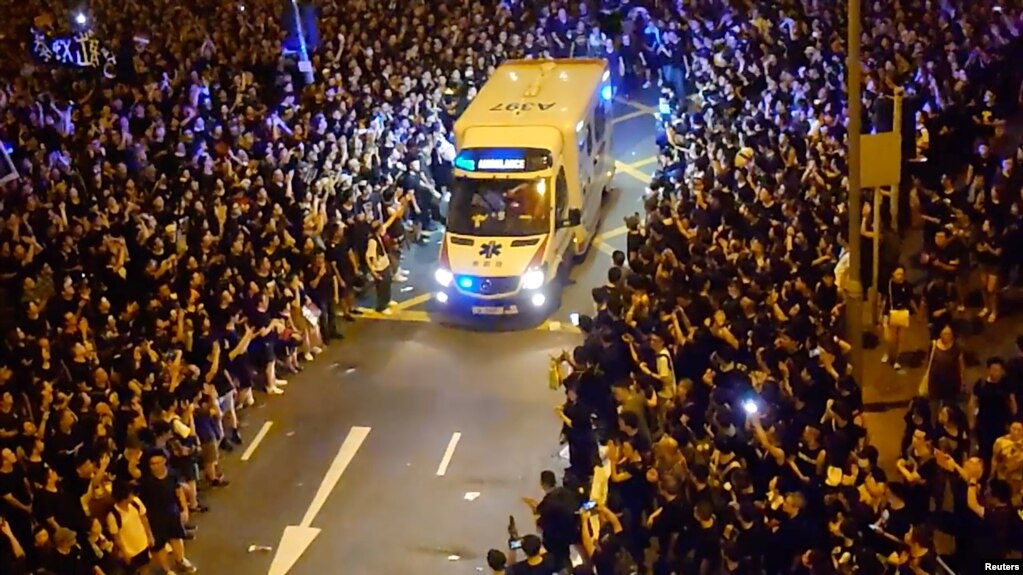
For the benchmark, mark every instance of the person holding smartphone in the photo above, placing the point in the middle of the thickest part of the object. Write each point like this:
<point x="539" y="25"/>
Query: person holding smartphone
<point x="536" y="562"/>
<point x="605" y="546"/>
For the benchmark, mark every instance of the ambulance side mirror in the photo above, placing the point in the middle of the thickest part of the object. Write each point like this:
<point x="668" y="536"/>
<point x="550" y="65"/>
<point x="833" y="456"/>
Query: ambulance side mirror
<point x="575" y="217"/>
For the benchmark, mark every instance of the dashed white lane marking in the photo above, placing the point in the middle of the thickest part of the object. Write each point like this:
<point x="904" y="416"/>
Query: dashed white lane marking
<point x="448" y="454"/>
<point x="257" y="440"/>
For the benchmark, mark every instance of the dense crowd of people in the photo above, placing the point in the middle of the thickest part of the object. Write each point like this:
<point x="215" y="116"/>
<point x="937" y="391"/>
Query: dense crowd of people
<point x="713" y="390"/>
<point x="194" y="222"/>
<point x="199" y="224"/>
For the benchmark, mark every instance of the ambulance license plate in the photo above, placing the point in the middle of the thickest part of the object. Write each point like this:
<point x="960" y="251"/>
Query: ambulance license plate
<point x="495" y="310"/>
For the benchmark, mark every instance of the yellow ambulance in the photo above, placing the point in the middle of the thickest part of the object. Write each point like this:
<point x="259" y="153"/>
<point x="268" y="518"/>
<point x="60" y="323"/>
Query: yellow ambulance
<point x="533" y="161"/>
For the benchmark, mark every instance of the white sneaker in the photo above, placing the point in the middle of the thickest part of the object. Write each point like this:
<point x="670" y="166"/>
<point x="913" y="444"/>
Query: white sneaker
<point x="317" y="350"/>
<point x="403" y="271"/>
<point x="392" y="303"/>
<point x="884" y="358"/>
<point x="274" y="390"/>
<point x="983" y="313"/>
<point x="249" y="401"/>
<point x="400" y="278"/>
<point x="186" y="566"/>
<point x="308" y="356"/>
<point x="281" y="383"/>
<point x="387" y="311"/>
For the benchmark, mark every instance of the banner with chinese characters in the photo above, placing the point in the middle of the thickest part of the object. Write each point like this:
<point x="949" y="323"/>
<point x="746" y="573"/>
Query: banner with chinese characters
<point x="81" y="50"/>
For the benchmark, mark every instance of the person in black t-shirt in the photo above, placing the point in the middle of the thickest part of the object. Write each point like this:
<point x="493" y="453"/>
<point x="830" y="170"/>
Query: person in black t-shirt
<point x="576" y="418"/>
<point x="10" y="425"/>
<point x="12" y="554"/>
<point x="15" y="496"/>
<point x="344" y="263"/>
<point x="992" y="407"/>
<point x="606" y="549"/>
<point x="666" y="524"/>
<point x="167" y="508"/>
<point x="66" y="557"/>
<point x="988" y="253"/>
<point x="536" y="562"/>
<point x="556" y="518"/>
<point x="54" y="507"/>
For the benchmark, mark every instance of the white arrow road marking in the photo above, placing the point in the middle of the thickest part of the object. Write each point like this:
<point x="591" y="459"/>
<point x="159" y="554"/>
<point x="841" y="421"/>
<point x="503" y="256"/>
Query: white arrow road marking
<point x="297" y="538"/>
<point x="448" y="454"/>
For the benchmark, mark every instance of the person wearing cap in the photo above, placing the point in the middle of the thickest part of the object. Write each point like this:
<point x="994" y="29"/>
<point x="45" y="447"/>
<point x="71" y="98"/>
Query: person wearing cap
<point x="66" y="557"/>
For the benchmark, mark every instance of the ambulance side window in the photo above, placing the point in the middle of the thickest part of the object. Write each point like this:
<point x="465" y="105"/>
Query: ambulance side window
<point x="599" y="123"/>
<point x="561" y="197"/>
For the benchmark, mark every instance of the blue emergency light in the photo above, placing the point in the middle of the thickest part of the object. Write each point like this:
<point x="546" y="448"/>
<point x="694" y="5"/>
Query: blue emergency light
<point x="607" y="93"/>
<point x="465" y="164"/>
<point x="465" y="282"/>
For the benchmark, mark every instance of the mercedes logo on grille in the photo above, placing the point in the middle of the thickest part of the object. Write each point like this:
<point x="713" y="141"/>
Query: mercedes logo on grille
<point x="485" y="286"/>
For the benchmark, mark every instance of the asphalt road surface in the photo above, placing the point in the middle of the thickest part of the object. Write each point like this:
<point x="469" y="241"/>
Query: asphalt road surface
<point x="405" y="448"/>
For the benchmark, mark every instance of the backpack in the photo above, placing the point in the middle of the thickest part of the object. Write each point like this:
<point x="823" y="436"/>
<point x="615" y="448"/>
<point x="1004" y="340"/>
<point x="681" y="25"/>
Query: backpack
<point x="116" y="512"/>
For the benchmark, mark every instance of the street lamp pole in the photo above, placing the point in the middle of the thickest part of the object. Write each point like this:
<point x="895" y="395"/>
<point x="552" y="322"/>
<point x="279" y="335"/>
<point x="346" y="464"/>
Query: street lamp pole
<point x="304" y="65"/>
<point x="854" y="285"/>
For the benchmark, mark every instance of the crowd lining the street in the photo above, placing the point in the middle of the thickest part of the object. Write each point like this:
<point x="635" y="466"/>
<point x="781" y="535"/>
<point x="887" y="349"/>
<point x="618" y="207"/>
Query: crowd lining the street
<point x="201" y="224"/>
<point x="713" y="388"/>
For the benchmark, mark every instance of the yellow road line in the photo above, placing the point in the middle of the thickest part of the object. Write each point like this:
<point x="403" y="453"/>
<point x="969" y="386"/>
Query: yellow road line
<point x="609" y="250"/>
<point x="411" y="316"/>
<point x="637" y="106"/>
<point x="630" y="116"/>
<point x="626" y="168"/>
<point x="554" y="325"/>
<point x="413" y="302"/>
<point x="644" y="162"/>
<point x="619" y="231"/>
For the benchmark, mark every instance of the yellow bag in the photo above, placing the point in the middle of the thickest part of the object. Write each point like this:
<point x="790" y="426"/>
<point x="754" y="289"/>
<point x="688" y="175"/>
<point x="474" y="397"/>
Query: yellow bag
<point x="898" y="318"/>
<point x="554" y="374"/>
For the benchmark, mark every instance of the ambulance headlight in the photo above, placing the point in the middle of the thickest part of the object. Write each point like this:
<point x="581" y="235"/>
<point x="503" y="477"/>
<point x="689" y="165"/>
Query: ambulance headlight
<point x="444" y="277"/>
<point x="532" y="279"/>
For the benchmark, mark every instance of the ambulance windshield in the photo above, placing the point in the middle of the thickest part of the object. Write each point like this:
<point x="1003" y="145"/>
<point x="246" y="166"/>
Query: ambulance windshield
<point x="499" y="207"/>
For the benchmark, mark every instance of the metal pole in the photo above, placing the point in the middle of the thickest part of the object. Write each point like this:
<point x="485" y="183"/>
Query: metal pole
<point x="854" y="286"/>
<point x="876" y="264"/>
<point x="304" y="65"/>
<point x="893" y="198"/>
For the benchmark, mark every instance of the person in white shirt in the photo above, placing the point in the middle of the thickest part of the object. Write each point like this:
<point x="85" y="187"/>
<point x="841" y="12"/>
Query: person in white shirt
<point x="380" y="267"/>
<point x="128" y="523"/>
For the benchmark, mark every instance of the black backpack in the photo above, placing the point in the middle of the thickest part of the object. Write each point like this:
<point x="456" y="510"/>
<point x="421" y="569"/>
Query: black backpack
<point x="117" y="512"/>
